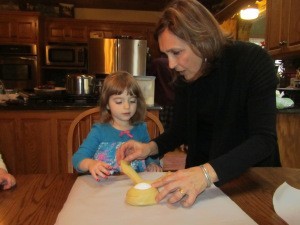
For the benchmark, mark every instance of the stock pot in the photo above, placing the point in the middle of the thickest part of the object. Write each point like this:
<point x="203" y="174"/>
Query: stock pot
<point x="80" y="84"/>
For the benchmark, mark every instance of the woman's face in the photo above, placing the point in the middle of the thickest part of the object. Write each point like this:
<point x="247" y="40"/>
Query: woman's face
<point x="180" y="55"/>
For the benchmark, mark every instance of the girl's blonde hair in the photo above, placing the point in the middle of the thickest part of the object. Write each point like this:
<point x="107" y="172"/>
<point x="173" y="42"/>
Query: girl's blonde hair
<point x="115" y="84"/>
<point x="192" y="22"/>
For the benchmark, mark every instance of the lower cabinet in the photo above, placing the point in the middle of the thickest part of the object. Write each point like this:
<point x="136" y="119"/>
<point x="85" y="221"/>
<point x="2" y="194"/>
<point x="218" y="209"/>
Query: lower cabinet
<point x="288" y="131"/>
<point x="35" y="141"/>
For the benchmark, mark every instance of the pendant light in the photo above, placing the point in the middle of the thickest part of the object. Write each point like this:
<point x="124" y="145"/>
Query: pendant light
<point x="250" y="13"/>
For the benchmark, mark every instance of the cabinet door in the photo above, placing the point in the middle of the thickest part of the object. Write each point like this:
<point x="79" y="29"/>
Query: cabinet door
<point x="5" y="27"/>
<point x="283" y="28"/>
<point x="288" y="129"/>
<point x="101" y="31"/>
<point x="18" y="29"/>
<point x="35" y="141"/>
<point x="66" y="32"/>
<point x="274" y="26"/>
<point x="293" y="20"/>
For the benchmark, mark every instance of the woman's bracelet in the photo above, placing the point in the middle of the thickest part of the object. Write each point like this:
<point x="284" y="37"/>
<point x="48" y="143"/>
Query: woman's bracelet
<point x="207" y="177"/>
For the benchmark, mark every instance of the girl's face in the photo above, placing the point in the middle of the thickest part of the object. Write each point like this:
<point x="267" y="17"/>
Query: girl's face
<point x="122" y="107"/>
<point x="180" y="55"/>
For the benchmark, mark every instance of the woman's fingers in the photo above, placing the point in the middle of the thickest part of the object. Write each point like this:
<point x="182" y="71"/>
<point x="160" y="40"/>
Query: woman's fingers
<point x="183" y="185"/>
<point x="125" y="152"/>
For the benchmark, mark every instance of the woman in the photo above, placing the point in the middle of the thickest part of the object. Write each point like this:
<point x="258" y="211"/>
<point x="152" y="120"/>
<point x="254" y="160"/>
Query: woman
<point x="225" y="108"/>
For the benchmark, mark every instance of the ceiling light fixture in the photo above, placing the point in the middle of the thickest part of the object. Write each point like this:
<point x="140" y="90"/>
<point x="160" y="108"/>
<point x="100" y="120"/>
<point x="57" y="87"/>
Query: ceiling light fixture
<point x="250" y="13"/>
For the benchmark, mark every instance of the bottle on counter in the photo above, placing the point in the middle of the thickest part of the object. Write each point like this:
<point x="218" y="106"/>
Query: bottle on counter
<point x="2" y="87"/>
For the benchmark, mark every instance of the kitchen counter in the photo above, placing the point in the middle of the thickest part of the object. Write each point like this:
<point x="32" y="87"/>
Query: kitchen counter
<point x="33" y="137"/>
<point x="59" y="106"/>
<point x="293" y="110"/>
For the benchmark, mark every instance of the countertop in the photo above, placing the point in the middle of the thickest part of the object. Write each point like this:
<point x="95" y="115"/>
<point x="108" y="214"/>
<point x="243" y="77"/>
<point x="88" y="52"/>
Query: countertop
<point x="78" y="106"/>
<point x="293" y="110"/>
<point x="58" y="106"/>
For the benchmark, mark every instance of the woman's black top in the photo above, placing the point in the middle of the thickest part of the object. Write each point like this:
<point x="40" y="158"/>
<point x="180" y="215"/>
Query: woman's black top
<point x="228" y="117"/>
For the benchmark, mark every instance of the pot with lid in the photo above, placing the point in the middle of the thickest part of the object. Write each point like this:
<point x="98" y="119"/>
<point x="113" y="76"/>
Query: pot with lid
<point x="80" y="84"/>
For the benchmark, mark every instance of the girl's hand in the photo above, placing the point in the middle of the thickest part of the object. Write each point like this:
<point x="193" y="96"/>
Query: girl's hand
<point x="6" y="180"/>
<point x="182" y="185"/>
<point x="152" y="167"/>
<point x="98" y="169"/>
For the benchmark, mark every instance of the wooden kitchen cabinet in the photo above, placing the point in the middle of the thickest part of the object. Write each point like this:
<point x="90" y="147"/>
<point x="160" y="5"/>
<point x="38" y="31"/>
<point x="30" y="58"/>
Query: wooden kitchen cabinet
<point x="66" y="30"/>
<point x="288" y="130"/>
<point x="35" y="141"/>
<point x="19" y="27"/>
<point x="283" y="27"/>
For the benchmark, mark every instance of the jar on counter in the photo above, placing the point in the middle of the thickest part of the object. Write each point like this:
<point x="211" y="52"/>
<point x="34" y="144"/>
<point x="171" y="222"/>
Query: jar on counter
<point x="2" y="87"/>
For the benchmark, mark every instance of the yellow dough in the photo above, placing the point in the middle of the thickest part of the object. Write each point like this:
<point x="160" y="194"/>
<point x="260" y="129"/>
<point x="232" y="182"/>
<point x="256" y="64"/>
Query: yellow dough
<point x="141" y="197"/>
<point x="130" y="172"/>
<point x="142" y="193"/>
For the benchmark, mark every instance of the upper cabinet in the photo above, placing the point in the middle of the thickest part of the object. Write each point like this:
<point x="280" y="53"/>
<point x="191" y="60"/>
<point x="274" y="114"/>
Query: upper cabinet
<point x="19" y="27"/>
<point x="66" y="30"/>
<point x="283" y="27"/>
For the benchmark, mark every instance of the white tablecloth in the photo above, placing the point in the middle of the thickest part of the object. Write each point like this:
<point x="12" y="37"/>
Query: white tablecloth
<point x="91" y="203"/>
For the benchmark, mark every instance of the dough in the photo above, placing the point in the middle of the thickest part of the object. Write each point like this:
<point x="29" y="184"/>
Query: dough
<point x="141" y="194"/>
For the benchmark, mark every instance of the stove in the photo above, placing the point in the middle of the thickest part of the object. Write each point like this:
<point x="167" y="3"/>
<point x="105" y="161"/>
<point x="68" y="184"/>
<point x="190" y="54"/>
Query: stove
<point x="63" y="100"/>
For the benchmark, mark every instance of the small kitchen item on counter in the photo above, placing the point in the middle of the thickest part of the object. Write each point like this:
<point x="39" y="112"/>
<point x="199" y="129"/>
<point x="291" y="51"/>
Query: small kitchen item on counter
<point x="296" y="83"/>
<point x="147" y="85"/>
<point x="2" y="87"/>
<point x="282" y="102"/>
<point x="298" y="74"/>
<point x="11" y="97"/>
<point x="49" y="91"/>
<point x="81" y="84"/>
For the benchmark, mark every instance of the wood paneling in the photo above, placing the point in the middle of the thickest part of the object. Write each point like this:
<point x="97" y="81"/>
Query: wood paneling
<point x="288" y="130"/>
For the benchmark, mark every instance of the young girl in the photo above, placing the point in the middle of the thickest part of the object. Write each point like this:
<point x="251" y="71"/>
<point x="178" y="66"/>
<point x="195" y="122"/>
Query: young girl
<point x="122" y="114"/>
<point x="6" y="179"/>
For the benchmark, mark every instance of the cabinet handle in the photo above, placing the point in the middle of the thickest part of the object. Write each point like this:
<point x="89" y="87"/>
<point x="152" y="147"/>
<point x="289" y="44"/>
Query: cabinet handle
<point x="282" y="43"/>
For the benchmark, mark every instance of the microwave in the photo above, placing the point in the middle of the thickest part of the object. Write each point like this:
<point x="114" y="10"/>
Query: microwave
<point x="68" y="56"/>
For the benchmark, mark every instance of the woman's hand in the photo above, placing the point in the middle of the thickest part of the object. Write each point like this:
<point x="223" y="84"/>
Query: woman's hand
<point x="152" y="167"/>
<point x="182" y="185"/>
<point x="6" y="179"/>
<point x="132" y="150"/>
<point x="97" y="168"/>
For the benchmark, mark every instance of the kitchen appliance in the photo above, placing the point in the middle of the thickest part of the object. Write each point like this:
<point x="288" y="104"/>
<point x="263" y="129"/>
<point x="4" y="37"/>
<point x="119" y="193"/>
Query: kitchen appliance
<point x="62" y="100"/>
<point x="66" y="55"/>
<point x="18" y="65"/>
<point x="81" y="84"/>
<point x="147" y="85"/>
<point x="107" y="55"/>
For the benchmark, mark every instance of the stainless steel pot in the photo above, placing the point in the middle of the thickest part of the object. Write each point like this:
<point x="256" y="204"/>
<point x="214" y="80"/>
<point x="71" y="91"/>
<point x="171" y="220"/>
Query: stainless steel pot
<point x="80" y="84"/>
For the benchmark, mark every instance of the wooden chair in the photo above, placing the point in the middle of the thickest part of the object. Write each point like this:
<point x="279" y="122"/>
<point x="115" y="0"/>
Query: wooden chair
<point x="82" y="124"/>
